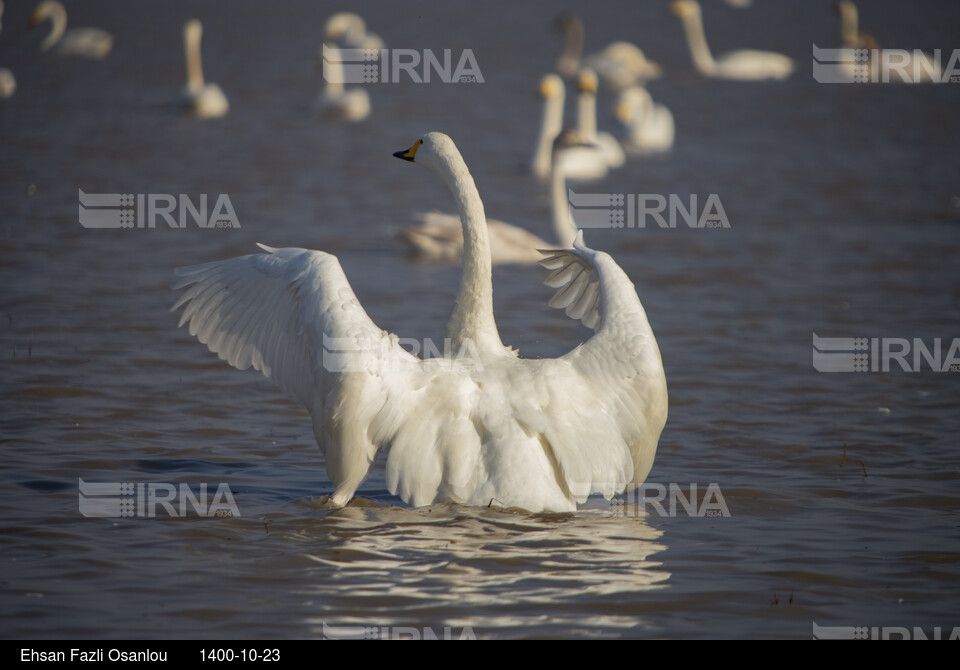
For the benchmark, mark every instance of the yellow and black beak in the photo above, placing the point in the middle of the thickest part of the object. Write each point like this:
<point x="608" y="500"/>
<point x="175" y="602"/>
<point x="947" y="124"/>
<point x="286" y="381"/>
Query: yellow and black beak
<point x="410" y="153"/>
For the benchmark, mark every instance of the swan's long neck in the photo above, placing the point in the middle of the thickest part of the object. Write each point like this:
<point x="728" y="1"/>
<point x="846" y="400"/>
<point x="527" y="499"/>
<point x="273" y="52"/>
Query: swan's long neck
<point x="572" y="49"/>
<point x="58" y="18"/>
<point x="472" y="322"/>
<point x="564" y="229"/>
<point x="642" y="106"/>
<point x="550" y="125"/>
<point x="849" y="28"/>
<point x="192" y="34"/>
<point x="332" y="71"/>
<point x="587" y="115"/>
<point x="699" y="51"/>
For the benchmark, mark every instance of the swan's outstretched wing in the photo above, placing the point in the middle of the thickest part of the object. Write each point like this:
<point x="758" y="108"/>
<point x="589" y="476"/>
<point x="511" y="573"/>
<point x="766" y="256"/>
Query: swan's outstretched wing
<point x="291" y="314"/>
<point x="620" y="368"/>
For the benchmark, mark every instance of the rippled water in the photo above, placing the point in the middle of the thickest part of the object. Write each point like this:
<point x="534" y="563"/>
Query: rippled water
<point x="844" y="219"/>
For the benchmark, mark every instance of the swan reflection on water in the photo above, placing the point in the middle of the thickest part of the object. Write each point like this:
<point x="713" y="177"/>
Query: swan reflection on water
<point x="483" y="568"/>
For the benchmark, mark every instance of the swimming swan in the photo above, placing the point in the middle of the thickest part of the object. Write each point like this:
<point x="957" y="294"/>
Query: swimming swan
<point x="349" y="31"/>
<point x="744" y="65"/>
<point x="8" y="83"/>
<point x="439" y="236"/>
<point x="648" y="127"/>
<point x="487" y="428"/>
<point x="618" y="65"/>
<point x="578" y="163"/>
<point x="917" y="67"/>
<point x="334" y="100"/>
<point x="80" y="42"/>
<point x="608" y="145"/>
<point x="205" y="101"/>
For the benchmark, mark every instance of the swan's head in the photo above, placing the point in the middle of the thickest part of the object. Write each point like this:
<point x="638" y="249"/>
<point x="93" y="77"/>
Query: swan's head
<point x="551" y="86"/>
<point x="685" y="8"/>
<point x="343" y="23"/>
<point x="846" y="9"/>
<point x="46" y="10"/>
<point x="192" y="30"/>
<point x="434" y="150"/>
<point x="587" y="81"/>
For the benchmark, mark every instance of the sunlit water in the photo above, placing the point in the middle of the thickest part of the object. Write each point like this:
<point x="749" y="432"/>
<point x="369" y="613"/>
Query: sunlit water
<point x="842" y="489"/>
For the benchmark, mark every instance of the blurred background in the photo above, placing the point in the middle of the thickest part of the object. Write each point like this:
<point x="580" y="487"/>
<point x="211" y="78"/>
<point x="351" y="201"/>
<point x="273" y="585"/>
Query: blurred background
<point x="843" y="202"/>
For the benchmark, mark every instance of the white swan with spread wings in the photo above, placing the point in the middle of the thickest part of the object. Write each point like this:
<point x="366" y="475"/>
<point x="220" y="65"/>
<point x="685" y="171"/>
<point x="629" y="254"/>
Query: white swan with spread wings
<point x="537" y="434"/>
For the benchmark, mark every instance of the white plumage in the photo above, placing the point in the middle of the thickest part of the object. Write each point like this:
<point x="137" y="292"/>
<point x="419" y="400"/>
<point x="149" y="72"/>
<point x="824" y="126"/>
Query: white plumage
<point x="335" y="101"/>
<point x="619" y="64"/>
<point x="8" y="83"/>
<point x="579" y="163"/>
<point x="75" y="42"/>
<point x="203" y="100"/>
<point x="647" y="126"/>
<point x="349" y="31"/>
<point x="909" y="67"/>
<point x="485" y="428"/>
<point x="439" y="236"/>
<point x="745" y="64"/>
<point x="608" y="145"/>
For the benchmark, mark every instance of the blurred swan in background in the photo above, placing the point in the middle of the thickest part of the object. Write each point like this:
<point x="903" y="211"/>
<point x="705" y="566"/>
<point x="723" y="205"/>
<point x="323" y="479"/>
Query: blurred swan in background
<point x="79" y="42"/>
<point x="647" y="126"/>
<point x="8" y="83"/>
<point x="917" y="66"/>
<point x="622" y="64"/>
<point x="203" y="100"/>
<point x="335" y="101"/>
<point x="850" y="32"/>
<point x="578" y="163"/>
<point x="607" y="144"/>
<point x="618" y="65"/>
<point x="745" y="64"/>
<point x="477" y="429"/>
<point x="347" y="30"/>
<point x="439" y="236"/>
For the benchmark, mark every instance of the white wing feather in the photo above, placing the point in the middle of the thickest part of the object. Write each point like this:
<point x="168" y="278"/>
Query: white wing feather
<point x="537" y="434"/>
<point x="620" y="365"/>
